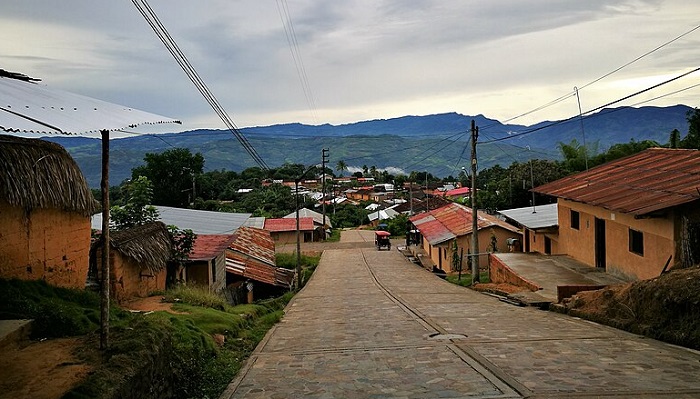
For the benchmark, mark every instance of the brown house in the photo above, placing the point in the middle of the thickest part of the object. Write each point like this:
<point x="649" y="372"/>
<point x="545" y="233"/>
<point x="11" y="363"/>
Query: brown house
<point x="633" y="216"/>
<point x="138" y="259"/>
<point x="442" y="228"/>
<point x="206" y="264"/>
<point x="45" y="208"/>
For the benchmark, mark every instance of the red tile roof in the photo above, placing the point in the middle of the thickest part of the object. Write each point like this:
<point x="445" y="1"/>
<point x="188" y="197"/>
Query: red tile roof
<point x="282" y="224"/>
<point x="451" y="221"/>
<point x="654" y="179"/>
<point x="209" y="246"/>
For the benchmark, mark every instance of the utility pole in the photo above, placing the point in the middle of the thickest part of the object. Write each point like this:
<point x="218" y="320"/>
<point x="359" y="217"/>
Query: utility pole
<point x="324" y="159"/>
<point x="475" y="217"/>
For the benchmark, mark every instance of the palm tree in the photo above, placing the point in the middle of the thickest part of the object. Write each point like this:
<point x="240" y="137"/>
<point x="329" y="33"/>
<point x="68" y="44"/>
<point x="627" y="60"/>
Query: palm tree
<point x="341" y="166"/>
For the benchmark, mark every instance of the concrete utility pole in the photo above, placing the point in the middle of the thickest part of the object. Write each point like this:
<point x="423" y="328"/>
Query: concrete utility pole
<point x="475" y="226"/>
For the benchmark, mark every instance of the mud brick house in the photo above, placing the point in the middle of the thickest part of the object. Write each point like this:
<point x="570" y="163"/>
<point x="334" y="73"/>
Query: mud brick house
<point x="45" y="208"/>
<point x="138" y="260"/>
<point x="634" y="216"/>
<point x="441" y="228"/>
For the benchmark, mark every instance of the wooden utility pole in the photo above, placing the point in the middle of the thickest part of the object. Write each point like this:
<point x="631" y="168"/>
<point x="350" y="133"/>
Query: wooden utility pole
<point x="104" y="283"/>
<point x="475" y="226"/>
<point x="324" y="158"/>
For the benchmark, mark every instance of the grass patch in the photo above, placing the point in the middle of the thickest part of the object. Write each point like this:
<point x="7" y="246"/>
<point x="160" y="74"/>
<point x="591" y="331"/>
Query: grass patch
<point x="57" y="312"/>
<point x="289" y="260"/>
<point x="150" y="355"/>
<point x="196" y="296"/>
<point x="466" y="280"/>
<point x="335" y="236"/>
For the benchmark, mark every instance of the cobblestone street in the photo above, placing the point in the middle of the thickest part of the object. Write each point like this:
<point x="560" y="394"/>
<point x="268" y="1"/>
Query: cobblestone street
<point x="371" y="324"/>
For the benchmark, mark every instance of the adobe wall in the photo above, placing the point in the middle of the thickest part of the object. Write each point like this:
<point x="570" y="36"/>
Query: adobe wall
<point x="580" y="244"/>
<point x="46" y="244"/>
<point x="537" y="241"/>
<point x="128" y="281"/>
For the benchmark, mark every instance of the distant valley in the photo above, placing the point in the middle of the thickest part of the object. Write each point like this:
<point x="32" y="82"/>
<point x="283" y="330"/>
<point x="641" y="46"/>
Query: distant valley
<point x="436" y="143"/>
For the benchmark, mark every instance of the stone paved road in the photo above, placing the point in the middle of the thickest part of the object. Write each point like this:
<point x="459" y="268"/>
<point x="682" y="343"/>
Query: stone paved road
<point x="370" y="324"/>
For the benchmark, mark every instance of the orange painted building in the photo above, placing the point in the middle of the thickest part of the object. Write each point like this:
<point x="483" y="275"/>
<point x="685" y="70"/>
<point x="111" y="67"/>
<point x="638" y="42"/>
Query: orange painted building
<point x="45" y="208"/>
<point x="634" y="216"/>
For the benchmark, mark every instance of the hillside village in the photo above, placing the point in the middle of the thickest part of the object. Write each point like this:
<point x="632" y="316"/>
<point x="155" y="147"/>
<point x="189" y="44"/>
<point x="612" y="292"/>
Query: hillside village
<point x="626" y="218"/>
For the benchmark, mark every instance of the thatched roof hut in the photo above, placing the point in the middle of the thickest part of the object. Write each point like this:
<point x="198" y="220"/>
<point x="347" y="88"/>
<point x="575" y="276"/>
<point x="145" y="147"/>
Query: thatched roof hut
<point x="148" y="245"/>
<point x="40" y="174"/>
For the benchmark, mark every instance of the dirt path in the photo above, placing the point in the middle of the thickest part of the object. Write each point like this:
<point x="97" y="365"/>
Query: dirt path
<point x="41" y="370"/>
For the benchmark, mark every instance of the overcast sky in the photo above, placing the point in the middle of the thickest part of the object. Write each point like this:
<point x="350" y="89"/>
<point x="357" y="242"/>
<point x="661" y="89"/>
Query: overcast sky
<point x="363" y="59"/>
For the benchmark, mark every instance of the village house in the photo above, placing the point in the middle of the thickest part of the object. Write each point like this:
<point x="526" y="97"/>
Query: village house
<point x="284" y="231"/>
<point x="138" y="258"/>
<point x="539" y="226"/>
<point x="634" y="216"/>
<point x="250" y="260"/>
<point x="45" y="208"/>
<point x="441" y="228"/>
<point x="316" y="216"/>
<point x="206" y="264"/>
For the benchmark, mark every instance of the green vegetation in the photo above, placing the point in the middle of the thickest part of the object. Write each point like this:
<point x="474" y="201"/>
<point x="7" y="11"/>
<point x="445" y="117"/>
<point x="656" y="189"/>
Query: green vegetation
<point x="175" y="352"/>
<point x="466" y="280"/>
<point x="289" y="261"/>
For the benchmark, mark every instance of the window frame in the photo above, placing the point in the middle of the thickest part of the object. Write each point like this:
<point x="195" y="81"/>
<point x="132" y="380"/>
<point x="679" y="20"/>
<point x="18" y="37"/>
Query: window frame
<point x="577" y="224"/>
<point x="636" y="242"/>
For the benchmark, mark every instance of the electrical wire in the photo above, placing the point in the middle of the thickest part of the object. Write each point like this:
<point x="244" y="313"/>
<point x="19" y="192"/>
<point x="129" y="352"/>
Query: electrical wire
<point x="162" y="33"/>
<point x="290" y="33"/>
<point x="519" y="134"/>
<point x="572" y="93"/>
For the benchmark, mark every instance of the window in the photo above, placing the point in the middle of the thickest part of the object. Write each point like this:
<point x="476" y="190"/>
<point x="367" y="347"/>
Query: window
<point x="575" y="220"/>
<point x="637" y="242"/>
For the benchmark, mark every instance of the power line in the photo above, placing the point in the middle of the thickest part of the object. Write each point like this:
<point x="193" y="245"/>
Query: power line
<point x="572" y="93"/>
<point x="594" y="109"/>
<point x="152" y="19"/>
<point x="283" y="10"/>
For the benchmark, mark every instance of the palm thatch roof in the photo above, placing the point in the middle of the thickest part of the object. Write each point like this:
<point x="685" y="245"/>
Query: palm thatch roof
<point x="148" y="245"/>
<point x="39" y="174"/>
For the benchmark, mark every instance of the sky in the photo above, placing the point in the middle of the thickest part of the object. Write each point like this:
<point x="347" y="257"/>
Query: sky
<point x="359" y="59"/>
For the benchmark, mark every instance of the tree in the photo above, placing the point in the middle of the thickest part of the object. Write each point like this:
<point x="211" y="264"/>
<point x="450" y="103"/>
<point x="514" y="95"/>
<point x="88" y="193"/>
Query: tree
<point x="674" y="140"/>
<point x="172" y="174"/>
<point x="137" y="209"/>
<point x="341" y="167"/>
<point x="692" y="139"/>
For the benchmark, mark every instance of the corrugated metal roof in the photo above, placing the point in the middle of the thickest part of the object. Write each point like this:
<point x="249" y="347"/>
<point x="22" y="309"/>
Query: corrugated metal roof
<point x="209" y="246"/>
<point x="544" y="216"/>
<point x="306" y="212"/>
<point x="282" y="224"/>
<point x="451" y="221"/>
<point x="33" y="107"/>
<point x="256" y="243"/>
<point x="255" y="221"/>
<point x="200" y="222"/>
<point x="252" y="255"/>
<point x="654" y="179"/>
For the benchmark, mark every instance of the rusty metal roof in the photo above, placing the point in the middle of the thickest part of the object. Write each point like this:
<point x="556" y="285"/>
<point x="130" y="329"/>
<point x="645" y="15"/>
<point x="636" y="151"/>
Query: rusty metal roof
<point x="32" y="107"/>
<point x="254" y="242"/>
<point x="252" y="255"/>
<point x="282" y="224"/>
<point x="654" y="179"/>
<point x="209" y="246"/>
<point x="451" y="221"/>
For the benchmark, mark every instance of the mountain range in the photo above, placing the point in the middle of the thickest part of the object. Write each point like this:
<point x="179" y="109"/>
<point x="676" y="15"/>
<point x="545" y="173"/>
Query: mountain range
<point x="437" y="143"/>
